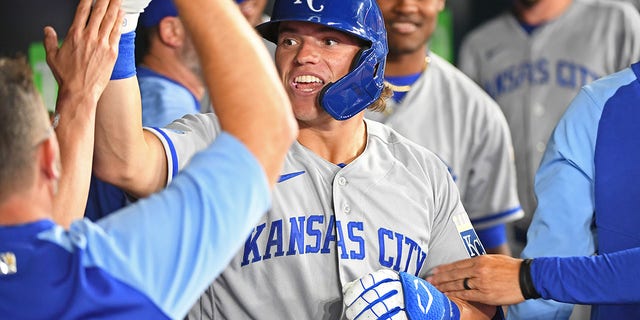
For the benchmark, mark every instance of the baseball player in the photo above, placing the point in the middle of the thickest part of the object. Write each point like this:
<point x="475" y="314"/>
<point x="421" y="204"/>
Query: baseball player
<point x="354" y="196"/>
<point x="534" y="59"/>
<point x="587" y="188"/>
<point x="437" y="106"/>
<point x="153" y="259"/>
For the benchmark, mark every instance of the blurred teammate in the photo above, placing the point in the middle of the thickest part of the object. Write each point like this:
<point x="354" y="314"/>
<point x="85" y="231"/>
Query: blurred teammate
<point x="153" y="259"/>
<point x="533" y="60"/>
<point x="587" y="186"/>
<point x="437" y="106"/>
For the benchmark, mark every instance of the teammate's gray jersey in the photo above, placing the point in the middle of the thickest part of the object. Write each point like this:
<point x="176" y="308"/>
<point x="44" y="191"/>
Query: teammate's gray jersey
<point x="395" y="207"/>
<point x="534" y="77"/>
<point x="448" y="113"/>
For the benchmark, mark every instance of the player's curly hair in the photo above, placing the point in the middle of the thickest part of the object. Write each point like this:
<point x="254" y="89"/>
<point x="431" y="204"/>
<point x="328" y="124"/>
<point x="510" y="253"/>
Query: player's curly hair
<point x="381" y="104"/>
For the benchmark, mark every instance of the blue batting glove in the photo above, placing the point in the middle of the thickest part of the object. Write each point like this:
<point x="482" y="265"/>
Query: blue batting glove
<point x="385" y="294"/>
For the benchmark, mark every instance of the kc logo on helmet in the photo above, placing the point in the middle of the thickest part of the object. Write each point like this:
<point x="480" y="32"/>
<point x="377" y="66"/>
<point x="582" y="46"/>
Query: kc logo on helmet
<point x="310" y="5"/>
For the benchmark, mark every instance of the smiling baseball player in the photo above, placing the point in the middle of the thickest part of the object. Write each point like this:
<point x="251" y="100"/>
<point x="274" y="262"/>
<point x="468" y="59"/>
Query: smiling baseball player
<point x="354" y="196"/>
<point x="438" y="107"/>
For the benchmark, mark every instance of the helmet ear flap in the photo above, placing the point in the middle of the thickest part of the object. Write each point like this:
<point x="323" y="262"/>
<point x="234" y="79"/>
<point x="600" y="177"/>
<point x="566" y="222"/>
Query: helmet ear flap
<point x="358" y="89"/>
<point x="356" y="59"/>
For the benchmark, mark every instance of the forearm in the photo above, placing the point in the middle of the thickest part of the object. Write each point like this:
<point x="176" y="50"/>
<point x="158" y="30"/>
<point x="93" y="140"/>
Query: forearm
<point x="605" y="279"/>
<point x="231" y="54"/>
<point x="124" y="155"/>
<point x="474" y="310"/>
<point x="75" y="131"/>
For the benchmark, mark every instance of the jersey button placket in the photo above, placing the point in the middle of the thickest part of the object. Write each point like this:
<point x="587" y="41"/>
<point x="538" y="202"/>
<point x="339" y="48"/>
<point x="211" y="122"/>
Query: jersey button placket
<point x="342" y="182"/>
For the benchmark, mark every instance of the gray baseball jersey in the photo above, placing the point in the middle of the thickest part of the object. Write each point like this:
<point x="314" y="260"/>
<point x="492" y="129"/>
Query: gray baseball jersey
<point x="394" y="207"/>
<point x="448" y="113"/>
<point x="534" y="77"/>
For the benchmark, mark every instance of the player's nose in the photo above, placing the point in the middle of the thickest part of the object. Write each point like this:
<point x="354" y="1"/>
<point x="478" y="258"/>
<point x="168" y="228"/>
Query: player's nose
<point x="308" y="53"/>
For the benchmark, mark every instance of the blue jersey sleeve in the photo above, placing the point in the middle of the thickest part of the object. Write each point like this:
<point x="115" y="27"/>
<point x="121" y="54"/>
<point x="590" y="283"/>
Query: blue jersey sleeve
<point x="163" y="99"/>
<point x="562" y="223"/>
<point x="493" y="237"/>
<point x="172" y="245"/>
<point x="606" y="279"/>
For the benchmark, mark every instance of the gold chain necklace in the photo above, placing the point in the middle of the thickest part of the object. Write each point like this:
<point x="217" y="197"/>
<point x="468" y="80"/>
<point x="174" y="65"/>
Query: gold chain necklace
<point x="406" y="88"/>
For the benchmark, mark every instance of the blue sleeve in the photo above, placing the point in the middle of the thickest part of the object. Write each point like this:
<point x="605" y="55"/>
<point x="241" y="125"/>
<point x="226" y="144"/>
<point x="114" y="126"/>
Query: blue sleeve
<point x="605" y="279"/>
<point x="493" y="237"/>
<point x="172" y="245"/>
<point x="163" y="101"/>
<point x="562" y="223"/>
<point x="104" y="198"/>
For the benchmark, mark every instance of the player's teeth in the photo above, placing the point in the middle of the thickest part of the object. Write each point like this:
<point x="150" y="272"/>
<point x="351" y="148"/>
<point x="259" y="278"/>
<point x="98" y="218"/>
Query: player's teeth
<point x="307" y="79"/>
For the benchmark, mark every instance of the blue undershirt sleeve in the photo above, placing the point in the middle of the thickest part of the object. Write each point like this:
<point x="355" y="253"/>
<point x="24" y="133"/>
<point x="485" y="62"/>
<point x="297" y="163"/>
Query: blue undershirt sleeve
<point x="605" y="279"/>
<point x="493" y="237"/>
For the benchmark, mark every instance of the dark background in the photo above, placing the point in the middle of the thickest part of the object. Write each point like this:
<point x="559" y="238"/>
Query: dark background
<point x="21" y="22"/>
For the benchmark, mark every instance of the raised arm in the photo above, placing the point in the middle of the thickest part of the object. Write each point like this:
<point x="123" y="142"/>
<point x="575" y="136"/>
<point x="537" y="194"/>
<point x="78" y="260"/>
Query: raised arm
<point x="251" y="85"/>
<point x="82" y="66"/>
<point x="125" y="155"/>
<point x="136" y="161"/>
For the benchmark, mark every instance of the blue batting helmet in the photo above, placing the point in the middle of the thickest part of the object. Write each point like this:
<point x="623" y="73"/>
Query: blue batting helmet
<point x="360" y="18"/>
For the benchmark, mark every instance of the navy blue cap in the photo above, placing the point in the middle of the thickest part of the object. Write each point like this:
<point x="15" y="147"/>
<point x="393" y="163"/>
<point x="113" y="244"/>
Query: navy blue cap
<point x="156" y="11"/>
<point x="159" y="9"/>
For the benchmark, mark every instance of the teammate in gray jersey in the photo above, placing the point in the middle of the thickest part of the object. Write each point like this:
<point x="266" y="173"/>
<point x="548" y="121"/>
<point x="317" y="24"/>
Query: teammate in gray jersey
<point x="534" y="59"/>
<point x="354" y="195"/>
<point x="437" y="106"/>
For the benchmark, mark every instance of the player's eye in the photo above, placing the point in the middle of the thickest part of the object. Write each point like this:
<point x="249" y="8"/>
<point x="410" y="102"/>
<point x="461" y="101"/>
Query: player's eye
<point x="331" y="42"/>
<point x="287" y="42"/>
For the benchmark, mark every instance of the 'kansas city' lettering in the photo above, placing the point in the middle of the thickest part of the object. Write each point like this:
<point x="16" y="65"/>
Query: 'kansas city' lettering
<point x="532" y="73"/>
<point x="317" y="234"/>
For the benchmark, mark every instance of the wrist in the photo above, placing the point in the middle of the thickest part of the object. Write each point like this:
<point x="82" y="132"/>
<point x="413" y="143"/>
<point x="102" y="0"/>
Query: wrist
<point x="71" y="105"/>
<point x="129" y="22"/>
<point x="527" y="287"/>
<point x="125" y="65"/>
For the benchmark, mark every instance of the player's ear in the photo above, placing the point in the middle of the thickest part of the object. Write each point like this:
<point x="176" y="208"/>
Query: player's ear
<point x="49" y="158"/>
<point x="441" y="4"/>
<point x="171" y="31"/>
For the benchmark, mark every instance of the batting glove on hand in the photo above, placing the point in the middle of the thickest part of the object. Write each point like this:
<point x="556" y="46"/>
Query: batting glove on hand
<point x="385" y="294"/>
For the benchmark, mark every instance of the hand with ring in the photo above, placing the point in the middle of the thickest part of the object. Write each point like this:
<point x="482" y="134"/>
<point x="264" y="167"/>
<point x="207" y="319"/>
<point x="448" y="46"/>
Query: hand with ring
<point x="489" y="279"/>
<point x="465" y="284"/>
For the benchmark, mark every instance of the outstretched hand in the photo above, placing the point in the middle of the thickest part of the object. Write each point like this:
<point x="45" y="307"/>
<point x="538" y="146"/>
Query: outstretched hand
<point x="84" y="61"/>
<point x="82" y="66"/>
<point x="491" y="279"/>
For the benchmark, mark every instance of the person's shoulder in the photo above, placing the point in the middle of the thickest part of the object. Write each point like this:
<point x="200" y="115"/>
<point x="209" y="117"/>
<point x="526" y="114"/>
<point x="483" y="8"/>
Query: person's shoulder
<point x="468" y="93"/>
<point x="599" y="5"/>
<point x="397" y="146"/>
<point x="604" y="88"/>
<point x="450" y="74"/>
<point x="605" y="8"/>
